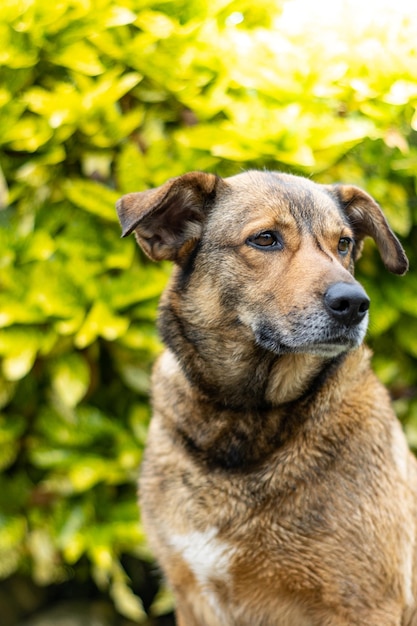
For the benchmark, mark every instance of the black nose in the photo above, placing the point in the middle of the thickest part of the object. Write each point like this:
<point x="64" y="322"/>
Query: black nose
<point x="346" y="303"/>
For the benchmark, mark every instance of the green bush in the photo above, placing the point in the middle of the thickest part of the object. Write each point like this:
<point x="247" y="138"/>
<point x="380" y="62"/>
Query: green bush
<point x="104" y="97"/>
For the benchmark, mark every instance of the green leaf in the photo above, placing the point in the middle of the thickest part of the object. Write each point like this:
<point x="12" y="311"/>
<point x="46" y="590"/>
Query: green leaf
<point x="163" y="602"/>
<point x="101" y="321"/>
<point x="93" y="198"/>
<point x="12" y="534"/>
<point x="11" y="428"/>
<point x="88" y="471"/>
<point x="134" y="286"/>
<point x="70" y="377"/>
<point x="18" y="312"/>
<point x="19" y="348"/>
<point x="42" y="549"/>
<point x="125" y="600"/>
<point x="4" y="191"/>
<point x="52" y="291"/>
<point x="407" y="337"/>
<point x="39" y="247"/>
<point x="16" y="366"/>
<point x="64" y="106"/>
<point x="71" y="538"/>
<point x="27" y="134"/>
<point x="81" y="57"/>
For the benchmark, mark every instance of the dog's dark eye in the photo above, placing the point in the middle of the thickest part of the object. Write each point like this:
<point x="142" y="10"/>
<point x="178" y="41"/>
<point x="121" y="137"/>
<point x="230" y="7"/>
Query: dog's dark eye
<point x="266" y="240"/>
<point x="344" y="245"/>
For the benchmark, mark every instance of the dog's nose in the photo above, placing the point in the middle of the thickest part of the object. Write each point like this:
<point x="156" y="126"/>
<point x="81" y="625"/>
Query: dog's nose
<point x="347" y="303"/>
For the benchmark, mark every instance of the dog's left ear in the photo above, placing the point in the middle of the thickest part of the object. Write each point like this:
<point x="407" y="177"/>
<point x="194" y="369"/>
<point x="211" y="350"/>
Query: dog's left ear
<point x="167" y="221"/>
<point x="368" y="220"/>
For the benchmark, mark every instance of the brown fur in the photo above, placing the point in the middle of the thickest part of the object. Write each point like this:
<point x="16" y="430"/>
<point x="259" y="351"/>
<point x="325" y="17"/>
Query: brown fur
<point x="277" y="487"/>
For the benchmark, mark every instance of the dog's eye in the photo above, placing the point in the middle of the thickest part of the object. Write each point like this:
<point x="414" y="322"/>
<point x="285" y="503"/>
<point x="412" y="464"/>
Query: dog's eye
<point x="267" y="239"/>
<point x="344" y="245"/>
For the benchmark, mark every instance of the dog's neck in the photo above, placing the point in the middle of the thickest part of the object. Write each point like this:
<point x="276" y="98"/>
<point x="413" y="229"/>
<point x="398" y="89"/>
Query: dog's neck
<point x="223" y="435"/>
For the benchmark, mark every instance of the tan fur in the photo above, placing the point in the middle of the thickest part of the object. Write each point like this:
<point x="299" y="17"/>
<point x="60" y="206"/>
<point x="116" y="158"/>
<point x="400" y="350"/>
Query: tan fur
<point x="277" y="487"/>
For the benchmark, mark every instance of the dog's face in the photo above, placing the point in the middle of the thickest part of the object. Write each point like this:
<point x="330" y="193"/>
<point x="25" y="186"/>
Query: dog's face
<point x="274" y="252"/>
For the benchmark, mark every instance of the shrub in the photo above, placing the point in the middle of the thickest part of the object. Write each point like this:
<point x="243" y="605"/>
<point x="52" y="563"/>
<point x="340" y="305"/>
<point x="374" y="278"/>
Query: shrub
<point x="105" y="97"/>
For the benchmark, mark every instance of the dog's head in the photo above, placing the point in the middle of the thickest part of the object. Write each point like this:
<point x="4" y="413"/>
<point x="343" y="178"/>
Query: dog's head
<point x="270" y="253"/>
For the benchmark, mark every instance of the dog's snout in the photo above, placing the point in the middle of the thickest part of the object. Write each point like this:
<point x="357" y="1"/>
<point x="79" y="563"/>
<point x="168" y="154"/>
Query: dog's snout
<point x="347" y="303"/>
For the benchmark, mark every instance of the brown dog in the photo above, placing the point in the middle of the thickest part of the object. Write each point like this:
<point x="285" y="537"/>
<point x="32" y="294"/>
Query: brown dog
<point x="277" y="488"/>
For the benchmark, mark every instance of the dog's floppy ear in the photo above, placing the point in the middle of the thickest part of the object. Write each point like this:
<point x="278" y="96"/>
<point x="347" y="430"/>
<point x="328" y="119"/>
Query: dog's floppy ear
<point x="368" y="220"/>
<point x="167" y="221"/>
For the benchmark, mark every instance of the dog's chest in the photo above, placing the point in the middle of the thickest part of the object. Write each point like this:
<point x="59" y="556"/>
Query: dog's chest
<point x="221" y="596"/>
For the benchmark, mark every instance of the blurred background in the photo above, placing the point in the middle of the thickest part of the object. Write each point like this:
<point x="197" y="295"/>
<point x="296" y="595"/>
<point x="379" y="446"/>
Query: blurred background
<point x="103" y="97"/>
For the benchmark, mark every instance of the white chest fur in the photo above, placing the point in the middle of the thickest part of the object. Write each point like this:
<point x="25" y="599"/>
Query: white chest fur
<point x="207" y="556"/>
<point x="209" y="560"/>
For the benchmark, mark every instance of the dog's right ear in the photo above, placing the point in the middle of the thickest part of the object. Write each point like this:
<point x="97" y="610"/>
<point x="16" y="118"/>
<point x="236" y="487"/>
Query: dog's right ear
<point x="167" y="221"/>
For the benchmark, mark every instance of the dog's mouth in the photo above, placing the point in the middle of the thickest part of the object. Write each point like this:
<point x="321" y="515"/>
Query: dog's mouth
<point x="326" y="350"/>
<point x="327" y="341"/>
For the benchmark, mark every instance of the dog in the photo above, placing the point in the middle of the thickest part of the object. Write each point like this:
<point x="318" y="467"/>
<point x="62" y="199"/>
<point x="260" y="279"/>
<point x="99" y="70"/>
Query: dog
<point x="277" y="488"/>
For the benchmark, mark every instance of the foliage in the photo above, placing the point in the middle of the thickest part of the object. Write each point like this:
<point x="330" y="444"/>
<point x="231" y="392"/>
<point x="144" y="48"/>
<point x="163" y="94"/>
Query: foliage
<point x="102" y="97"/>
